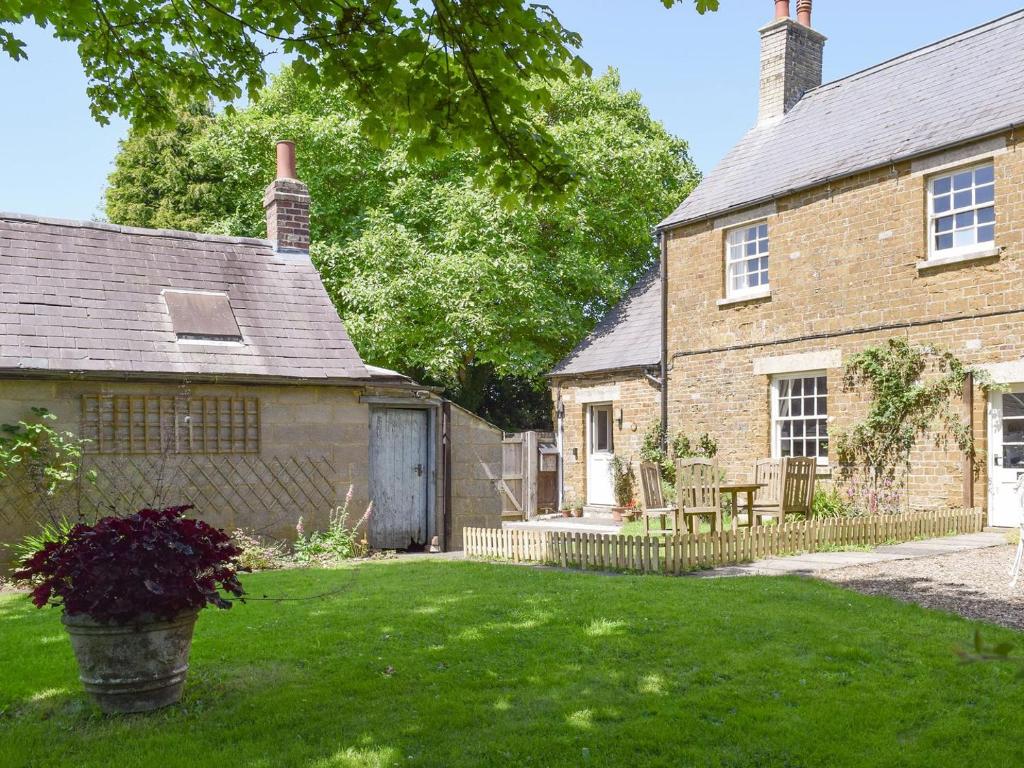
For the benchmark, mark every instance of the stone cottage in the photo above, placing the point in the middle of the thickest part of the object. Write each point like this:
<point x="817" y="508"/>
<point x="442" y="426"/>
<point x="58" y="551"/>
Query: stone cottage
<point x="215" y="370"/>
<point x="607" y="395"/>
<point x="888" y="203"/>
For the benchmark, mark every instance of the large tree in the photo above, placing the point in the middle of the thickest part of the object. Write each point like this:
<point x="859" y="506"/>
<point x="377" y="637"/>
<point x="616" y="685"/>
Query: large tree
<point x="474" y="68"/>
<point x="436" y="275"/>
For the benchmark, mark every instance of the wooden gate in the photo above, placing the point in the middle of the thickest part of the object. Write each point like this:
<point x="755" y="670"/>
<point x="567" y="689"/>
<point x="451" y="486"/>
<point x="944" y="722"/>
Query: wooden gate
<point x="524" y="470"/>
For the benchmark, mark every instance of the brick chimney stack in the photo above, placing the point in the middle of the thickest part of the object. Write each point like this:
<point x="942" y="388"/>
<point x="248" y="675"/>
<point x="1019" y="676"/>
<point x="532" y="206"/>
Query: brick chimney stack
<point x="791" y="56"/>
<point x="286" y="202"/>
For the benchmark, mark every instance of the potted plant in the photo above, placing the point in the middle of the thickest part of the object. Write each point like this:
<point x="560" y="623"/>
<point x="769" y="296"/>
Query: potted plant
<point x="623" y="487"/>
<point x="131" y="589"/>
<point x="631" y="511"/>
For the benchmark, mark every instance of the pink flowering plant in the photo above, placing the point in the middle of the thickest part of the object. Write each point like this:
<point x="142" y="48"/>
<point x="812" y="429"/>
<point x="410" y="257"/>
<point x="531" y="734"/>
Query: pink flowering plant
<point x="339" y="541"/>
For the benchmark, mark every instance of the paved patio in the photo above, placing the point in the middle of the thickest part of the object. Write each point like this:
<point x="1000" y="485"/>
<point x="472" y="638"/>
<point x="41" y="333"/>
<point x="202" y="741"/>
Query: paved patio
<point x="572" y="524"/>
<point x="808" y="564"/>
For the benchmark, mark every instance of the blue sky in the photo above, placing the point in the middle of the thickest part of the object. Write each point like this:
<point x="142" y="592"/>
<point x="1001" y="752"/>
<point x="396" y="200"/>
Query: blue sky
<point x="698" y="75"/>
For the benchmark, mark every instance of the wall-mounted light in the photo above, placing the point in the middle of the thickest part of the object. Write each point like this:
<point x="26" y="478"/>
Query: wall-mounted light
<point x="618" y="416"/>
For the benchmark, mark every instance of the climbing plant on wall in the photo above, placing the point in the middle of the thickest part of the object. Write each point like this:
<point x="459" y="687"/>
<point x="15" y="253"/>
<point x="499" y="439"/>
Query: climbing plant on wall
<point x="664" y="451"/>
<point x="914" y="393"/>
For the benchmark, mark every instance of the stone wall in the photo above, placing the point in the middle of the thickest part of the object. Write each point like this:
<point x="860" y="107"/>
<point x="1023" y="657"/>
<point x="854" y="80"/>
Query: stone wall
<point x="265" y="492"/>
<point x="476" y="463"/>
<point x="640" y="401"/>
<point x="845" y="274"/>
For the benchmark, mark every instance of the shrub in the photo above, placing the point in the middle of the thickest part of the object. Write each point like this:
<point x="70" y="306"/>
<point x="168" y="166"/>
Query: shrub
<point x="156" y="562"/>
<point x="257" y="554"/>
<point x="50" y="459"/>
<point x="829" y="502"/>
<point x="338" y="542"/>
<point x="623" y="482"/>
<point x="679" y="447"/>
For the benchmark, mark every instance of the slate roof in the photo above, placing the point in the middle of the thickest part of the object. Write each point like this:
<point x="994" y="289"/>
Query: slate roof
<point x="79" y="296"/>
<point x="965" y="87"/>
<point x="629" y="336"/>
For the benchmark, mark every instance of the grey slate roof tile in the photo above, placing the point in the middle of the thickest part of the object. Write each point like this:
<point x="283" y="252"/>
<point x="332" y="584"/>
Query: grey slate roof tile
<point x="965" y="87"/>
<point x="84" y="296"/>
<point x="629" y="336"/>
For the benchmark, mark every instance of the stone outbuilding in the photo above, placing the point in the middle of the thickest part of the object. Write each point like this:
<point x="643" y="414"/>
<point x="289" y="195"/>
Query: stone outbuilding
<point x="216" y="371"/>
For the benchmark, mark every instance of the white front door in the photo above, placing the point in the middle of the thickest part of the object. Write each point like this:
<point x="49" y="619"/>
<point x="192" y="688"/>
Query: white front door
<point x="1005" y="455"/>
<point x="600" y="450"/>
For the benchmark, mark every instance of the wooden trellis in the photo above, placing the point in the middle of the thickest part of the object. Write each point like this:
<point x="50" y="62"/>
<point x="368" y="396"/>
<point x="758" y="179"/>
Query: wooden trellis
<point x="243" y="490"/>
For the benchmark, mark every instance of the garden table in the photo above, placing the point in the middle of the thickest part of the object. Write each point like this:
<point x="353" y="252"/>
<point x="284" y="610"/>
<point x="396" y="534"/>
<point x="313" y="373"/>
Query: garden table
<point x="734" y="490"/>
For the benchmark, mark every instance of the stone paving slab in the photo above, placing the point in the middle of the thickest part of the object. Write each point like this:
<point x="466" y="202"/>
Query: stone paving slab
<point x="577" y="524"/>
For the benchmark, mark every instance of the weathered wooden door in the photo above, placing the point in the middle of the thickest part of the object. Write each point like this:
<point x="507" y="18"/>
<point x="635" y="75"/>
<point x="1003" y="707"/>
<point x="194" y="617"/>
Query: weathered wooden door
<point x="399" y="477"/>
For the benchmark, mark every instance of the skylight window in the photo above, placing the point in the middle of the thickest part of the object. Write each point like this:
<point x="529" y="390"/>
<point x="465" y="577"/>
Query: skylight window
<point x="202" y="316"/>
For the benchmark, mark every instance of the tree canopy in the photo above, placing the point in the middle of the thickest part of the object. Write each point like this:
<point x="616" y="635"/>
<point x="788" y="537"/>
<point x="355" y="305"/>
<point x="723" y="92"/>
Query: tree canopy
<point x="435" y="275"/>
<point x="472" y="69"/>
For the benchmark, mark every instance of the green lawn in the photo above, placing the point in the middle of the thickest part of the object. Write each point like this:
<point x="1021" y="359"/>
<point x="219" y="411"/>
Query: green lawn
<point x="636" y="527"/>
<point x="468" y="664"/>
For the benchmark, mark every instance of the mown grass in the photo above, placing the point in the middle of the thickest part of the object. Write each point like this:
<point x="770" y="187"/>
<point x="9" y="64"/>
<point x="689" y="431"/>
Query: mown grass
<point x="636" y="527"/>
<point x="469" y="664"/>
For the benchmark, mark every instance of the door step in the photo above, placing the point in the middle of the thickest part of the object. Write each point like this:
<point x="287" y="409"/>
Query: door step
<point x="598" y="511"/>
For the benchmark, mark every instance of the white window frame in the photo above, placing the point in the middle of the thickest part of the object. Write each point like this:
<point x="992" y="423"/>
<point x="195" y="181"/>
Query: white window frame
<point x="776" y="420"/>
<point x="756" y="290"/>
<point x="963" y="250"/>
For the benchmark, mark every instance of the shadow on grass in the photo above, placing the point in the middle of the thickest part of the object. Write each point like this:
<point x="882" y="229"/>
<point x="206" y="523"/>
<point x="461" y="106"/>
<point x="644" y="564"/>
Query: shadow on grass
<point x="468" y="664"/>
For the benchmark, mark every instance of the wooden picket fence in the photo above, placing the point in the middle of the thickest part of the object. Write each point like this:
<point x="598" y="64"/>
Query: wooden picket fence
<point x="679" y="554"/>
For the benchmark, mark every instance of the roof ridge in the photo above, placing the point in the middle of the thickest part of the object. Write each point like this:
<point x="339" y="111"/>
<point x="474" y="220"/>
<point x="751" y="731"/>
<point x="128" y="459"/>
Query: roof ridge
<point x="179" y="234"/>
<point x="915" y="52"/>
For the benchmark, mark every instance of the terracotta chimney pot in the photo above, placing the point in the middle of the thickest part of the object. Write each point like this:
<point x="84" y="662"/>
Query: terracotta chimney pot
<point x="781" y="9"/>
<point x="803" y="12"/>
<point x="286" y="160"/>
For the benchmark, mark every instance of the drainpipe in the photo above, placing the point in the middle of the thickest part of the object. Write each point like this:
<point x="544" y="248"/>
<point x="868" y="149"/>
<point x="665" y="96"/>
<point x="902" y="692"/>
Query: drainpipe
<point x="559" y="417"/>
<point x="968" y="460"/>
<point x="664" y="337"/>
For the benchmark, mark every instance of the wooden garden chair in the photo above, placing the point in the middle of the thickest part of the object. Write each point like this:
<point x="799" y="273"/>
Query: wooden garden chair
<point x="654" y="500"/>
<point x="768" y="474"/>
<point x="794" y="492"/>
<point x="698" y="492"/>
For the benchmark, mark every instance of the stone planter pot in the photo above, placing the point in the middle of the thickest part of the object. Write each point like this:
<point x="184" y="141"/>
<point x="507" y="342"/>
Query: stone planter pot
<point x="618" y="513"/>
<point x="134" y="667"/>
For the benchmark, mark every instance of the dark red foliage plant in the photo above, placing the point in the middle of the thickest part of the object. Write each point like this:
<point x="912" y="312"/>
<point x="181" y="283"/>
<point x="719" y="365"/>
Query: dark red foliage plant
<point x="156" y="563"/>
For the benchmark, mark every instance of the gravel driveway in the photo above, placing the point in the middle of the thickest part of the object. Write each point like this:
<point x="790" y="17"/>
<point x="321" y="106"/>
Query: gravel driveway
<point x="974" y="583"/>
